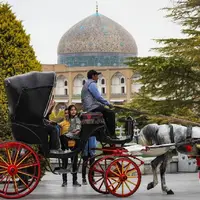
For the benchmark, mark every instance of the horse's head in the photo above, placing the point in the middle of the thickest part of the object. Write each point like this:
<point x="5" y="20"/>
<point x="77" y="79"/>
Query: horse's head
<point x="146" y="135"/>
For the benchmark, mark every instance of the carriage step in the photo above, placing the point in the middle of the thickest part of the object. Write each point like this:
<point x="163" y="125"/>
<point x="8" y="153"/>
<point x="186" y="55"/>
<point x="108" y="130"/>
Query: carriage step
<point x="60" y="170"/>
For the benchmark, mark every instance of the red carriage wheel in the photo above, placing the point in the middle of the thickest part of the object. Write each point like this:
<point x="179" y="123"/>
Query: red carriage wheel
<point x="19" y="170"/>
<point x="122" y="177"/>
<point x="97" y="172"/>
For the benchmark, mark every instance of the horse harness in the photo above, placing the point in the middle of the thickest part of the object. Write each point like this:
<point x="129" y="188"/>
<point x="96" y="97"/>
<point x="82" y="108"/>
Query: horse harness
<point x="188" y="133"/>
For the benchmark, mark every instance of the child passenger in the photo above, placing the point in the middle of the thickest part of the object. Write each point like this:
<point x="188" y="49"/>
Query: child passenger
<point x="75" y="123"/>
<point x="70" y="129"/>
<point x="64" y="125"/>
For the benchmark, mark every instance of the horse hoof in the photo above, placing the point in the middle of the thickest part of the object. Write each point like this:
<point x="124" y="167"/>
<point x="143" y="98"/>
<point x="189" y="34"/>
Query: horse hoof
<point x="170" y="192"/>
<point x="150" y="186"/>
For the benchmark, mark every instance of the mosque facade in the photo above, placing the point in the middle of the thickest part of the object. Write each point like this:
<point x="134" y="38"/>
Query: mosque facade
<point x="98" y="43"/>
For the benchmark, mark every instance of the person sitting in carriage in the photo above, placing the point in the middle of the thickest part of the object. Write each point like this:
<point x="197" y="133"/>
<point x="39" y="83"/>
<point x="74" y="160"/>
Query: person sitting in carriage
<point x="64" y="125"/>
<point x="53" y="130"/>
<point x="75" y="125"/>
<point x="92" y="101"/>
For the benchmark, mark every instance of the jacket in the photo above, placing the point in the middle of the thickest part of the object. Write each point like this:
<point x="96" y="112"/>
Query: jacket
<point x="91" y="97"/>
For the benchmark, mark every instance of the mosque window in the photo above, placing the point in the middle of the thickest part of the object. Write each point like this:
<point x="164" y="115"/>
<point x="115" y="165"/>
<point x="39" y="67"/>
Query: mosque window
<point x="123" y="90"/>
<point x="66" y="92"/>
<point x="122" y="80"/>
<point x="102" y="81"/>
<point x="65" y="83"/>
<point x="103" y="91"/>
<point x="83" y="82"/>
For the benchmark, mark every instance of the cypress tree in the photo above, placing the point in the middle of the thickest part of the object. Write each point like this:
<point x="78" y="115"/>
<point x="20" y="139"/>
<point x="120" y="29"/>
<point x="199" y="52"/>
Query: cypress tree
<point x="16" y="57"/>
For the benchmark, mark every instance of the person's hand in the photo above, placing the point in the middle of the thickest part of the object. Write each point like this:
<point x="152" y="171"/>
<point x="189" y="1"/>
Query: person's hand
<point x="55" y="123"/>
<point x="111" y="106"/>
<point x="75" y="132"/>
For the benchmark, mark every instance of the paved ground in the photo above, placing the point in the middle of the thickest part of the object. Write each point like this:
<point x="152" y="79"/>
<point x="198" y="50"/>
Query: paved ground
<point x="185" y="186"/>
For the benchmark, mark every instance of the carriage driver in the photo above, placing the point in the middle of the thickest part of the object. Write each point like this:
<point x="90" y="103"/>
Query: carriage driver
<point x="92" y="101"/>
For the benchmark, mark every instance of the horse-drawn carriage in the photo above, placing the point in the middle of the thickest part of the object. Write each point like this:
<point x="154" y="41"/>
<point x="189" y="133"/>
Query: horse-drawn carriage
<point x="115" y="170"/>
<point x="29" y="95"/>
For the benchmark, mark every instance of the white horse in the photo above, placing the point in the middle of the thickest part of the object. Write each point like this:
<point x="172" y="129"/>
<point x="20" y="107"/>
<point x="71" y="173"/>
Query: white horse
<point x="154" y="134"/>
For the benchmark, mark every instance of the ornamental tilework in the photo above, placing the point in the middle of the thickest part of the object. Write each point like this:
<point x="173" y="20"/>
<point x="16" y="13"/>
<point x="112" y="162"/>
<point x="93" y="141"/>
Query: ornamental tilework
<point x="93" y="60"/>
<point x="81" y="45"/>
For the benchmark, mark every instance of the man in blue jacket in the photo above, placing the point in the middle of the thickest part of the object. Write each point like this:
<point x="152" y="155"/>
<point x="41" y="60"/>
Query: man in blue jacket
<point x="93" y="101"/>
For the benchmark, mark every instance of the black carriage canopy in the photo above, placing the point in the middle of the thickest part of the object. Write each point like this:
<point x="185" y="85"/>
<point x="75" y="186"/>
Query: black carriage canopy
<point x="29" y="96"/>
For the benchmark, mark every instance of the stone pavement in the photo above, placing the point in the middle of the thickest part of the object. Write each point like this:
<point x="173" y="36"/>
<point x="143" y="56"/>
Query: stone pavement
<point x="185" y="186"/>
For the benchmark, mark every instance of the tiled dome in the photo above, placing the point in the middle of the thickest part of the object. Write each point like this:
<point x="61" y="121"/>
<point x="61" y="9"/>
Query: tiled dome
<point x="99" y="37"/>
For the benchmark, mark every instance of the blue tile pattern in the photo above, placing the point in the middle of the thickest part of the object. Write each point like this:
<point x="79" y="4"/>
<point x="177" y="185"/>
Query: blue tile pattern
<point x="91" y="59"/>
<point x="96" y="41"/>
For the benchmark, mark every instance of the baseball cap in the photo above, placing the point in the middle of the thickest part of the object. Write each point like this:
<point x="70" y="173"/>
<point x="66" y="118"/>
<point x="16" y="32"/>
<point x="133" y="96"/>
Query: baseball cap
<point x="92" y="72"/>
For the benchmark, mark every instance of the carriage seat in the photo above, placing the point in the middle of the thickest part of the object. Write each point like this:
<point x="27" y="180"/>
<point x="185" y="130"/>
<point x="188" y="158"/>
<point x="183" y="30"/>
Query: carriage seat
<point x="92" y="118"/>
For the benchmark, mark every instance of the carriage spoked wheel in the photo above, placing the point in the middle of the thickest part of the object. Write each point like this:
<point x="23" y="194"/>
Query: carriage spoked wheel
<point x="122" y="177"/>
<point x="19" y="170"/>
<point x="97" y="172"/>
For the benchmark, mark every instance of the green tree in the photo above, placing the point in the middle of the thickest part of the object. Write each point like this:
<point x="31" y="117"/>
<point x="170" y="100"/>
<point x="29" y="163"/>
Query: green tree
<point x="16" y="57"/>
<point x="171" y="81"/>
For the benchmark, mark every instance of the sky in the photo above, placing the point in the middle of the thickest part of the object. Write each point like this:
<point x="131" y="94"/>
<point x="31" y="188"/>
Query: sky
<point x="47" y="20"/>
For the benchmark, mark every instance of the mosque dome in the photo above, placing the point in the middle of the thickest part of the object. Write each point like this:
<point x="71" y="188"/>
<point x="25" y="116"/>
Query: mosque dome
<point x="96" y="41"/>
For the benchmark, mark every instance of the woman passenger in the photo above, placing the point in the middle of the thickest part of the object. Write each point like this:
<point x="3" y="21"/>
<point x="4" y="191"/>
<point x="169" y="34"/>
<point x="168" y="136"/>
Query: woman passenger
<point x="54" y="142"/>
